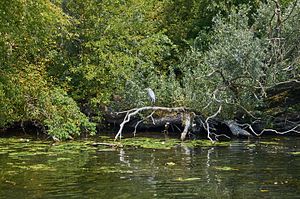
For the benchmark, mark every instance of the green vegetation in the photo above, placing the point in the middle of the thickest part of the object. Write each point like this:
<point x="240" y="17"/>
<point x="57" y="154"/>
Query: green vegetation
<point x="295" y="153"/>
<point x="150" y="143"/>
<point x="157" y="143"/>
<point x="269" y="143"/>
<point x="63" y="62"/>
<point x="32" y="34"/>
<point x="225" y="168"/>
<point x="187" y="179"/>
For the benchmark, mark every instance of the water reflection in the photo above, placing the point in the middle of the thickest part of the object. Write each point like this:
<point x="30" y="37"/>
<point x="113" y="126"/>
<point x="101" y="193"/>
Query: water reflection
<point x="123" y="157"/>
<point x="208" y="164"/>
<point x="242" y="170"/>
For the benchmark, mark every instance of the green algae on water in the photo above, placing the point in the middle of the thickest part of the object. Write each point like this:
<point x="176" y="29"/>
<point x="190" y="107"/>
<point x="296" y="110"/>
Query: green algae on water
<point x="269" y="143"/>
<point x="204" y="143"/>
<point x="225" y="168"/>
<point x="295" y="153"/>
<point x="180" y="179"/>
<point x="156" y="143"/>
<point x="150" y="143"/>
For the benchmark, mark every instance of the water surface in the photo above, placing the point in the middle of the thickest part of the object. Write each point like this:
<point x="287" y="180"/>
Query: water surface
<point x="267" y="168"/>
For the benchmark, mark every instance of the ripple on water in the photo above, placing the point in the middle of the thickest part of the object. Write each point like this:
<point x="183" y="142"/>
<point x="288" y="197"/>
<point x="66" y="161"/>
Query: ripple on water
<point x="265" y="168"/>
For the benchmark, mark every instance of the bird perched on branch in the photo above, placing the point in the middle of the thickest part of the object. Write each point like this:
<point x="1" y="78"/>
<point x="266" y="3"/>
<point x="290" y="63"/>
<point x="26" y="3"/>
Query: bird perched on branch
<point x="151" y="95"/>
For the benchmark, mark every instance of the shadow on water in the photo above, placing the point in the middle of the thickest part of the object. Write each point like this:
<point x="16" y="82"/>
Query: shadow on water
<point x="267" y="168"/>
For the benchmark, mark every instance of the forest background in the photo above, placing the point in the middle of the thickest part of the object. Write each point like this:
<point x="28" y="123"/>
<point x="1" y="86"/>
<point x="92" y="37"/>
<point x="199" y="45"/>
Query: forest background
<point x="64" y="63"/>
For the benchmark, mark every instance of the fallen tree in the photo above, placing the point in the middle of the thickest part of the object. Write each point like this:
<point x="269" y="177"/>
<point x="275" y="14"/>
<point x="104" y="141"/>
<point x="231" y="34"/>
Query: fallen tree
<point x="186" y="121"/>
<point x="177" y="113"/>
<point x="282" y="99"/>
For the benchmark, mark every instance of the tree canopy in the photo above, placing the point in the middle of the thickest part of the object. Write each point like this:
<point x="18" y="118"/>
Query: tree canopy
<point x="64" y="62"/>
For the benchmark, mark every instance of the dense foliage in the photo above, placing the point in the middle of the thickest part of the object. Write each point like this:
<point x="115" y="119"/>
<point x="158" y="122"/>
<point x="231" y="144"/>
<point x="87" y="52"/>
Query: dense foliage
<point x="31" y="39"/>
<point x="63" y="59"/>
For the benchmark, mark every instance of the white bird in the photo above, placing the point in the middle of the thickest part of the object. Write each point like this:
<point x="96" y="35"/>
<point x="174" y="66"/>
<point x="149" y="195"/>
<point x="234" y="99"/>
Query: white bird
<point x="151" y="94"/>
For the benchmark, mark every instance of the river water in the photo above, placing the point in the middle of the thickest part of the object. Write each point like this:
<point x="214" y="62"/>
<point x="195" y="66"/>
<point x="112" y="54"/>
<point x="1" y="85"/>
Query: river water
<point x="265" y="168"/>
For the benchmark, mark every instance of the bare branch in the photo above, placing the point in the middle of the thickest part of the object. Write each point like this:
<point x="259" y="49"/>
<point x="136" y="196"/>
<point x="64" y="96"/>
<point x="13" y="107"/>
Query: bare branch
<point x="207" y="124"/>
<point x="294" y="129"/>
<point x="135" y="127"/>
<point x="135" y="111"/>
<point x="264" y="93"/>
<point x="248" y="112"/>
<point x="151" y="116"/>
<point x="186" y="126"/>
<point x="221" y="135"/>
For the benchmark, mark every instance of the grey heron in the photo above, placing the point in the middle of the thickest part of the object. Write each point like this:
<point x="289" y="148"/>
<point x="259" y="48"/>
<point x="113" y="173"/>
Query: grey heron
<point x="151" y="95"/>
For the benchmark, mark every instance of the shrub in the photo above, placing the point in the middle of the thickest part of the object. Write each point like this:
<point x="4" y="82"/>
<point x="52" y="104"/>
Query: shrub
<point x="242" y="61"/>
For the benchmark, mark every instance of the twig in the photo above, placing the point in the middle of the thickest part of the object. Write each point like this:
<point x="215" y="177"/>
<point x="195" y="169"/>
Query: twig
<point x="208" y="104"/>
<point x="264" y="93"/>
<point x="151" y="115"/>
<point x="248" y="112"/>
<point x="216" y="136"/>
<point x="135" y="127"/>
